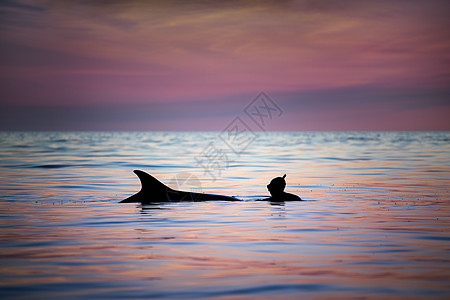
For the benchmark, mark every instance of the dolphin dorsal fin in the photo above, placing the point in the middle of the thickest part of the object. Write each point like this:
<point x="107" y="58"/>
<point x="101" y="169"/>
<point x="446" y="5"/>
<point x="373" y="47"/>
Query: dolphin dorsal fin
<point x="150" y="184"/>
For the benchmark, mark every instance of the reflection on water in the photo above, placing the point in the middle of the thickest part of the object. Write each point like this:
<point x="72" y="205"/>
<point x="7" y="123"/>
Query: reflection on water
<point x="375" y="223"/>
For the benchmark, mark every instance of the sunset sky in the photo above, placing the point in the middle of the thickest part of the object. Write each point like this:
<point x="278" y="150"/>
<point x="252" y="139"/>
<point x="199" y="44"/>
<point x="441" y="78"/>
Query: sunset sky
<point x="196" y="65"/>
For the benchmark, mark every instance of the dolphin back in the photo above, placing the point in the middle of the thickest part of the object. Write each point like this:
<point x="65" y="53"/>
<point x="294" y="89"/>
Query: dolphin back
<point x="150" y="183"/>
<point x="153" y="190"/>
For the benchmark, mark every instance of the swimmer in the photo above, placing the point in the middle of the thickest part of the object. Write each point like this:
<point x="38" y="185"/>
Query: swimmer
<point x="276" y="189"/>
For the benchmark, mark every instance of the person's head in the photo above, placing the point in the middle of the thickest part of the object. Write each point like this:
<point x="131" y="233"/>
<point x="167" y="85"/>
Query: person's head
<point x="277" y="185"/>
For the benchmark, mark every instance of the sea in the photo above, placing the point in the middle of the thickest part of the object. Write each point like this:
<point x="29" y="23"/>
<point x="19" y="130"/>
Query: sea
<point x="374" y="222"/>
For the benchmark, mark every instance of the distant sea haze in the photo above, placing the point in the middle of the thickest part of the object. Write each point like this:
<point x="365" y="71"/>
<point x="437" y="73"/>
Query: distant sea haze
<point x="374" y="223"/>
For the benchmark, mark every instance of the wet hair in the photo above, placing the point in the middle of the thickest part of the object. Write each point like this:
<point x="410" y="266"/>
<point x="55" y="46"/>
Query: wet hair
<point x="277" y="185"/>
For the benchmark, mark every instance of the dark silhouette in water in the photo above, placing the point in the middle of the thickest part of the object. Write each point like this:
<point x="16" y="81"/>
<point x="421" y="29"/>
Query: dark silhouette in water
<point x="276" y="189"/>
<point x="153" y="190"/>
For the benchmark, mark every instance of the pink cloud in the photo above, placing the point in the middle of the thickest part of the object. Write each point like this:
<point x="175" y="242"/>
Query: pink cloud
<point x="130" y="52"/>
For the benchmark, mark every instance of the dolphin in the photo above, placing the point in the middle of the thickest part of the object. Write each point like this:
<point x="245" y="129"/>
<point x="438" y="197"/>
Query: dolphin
<point x="153" y="190"/>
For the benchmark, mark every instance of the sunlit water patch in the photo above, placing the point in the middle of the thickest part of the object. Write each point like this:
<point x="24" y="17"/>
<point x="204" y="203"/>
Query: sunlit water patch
<point x="375" y="222"/>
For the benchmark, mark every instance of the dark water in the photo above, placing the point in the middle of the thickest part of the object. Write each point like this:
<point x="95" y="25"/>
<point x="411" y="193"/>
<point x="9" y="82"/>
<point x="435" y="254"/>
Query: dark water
<point x="375" y="223"/>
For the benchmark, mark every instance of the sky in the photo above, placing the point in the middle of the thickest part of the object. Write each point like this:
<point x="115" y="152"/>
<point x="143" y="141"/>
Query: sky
<point x="196" y="65"/>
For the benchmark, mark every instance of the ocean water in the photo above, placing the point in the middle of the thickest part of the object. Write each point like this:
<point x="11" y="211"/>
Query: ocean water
<point x="375" y="223"/>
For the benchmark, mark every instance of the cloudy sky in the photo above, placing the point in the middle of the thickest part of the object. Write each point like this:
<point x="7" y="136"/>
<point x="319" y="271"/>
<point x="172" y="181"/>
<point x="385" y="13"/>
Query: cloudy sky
<point x="195" y="65"/>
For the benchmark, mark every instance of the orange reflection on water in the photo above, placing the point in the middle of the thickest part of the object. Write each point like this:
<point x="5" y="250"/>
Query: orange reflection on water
<point x="377" y="226"/>
<point x="228" y="245"/>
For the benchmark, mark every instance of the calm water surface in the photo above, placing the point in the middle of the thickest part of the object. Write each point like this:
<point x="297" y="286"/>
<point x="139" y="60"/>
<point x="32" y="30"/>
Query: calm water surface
<point x="375" y="223"/>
